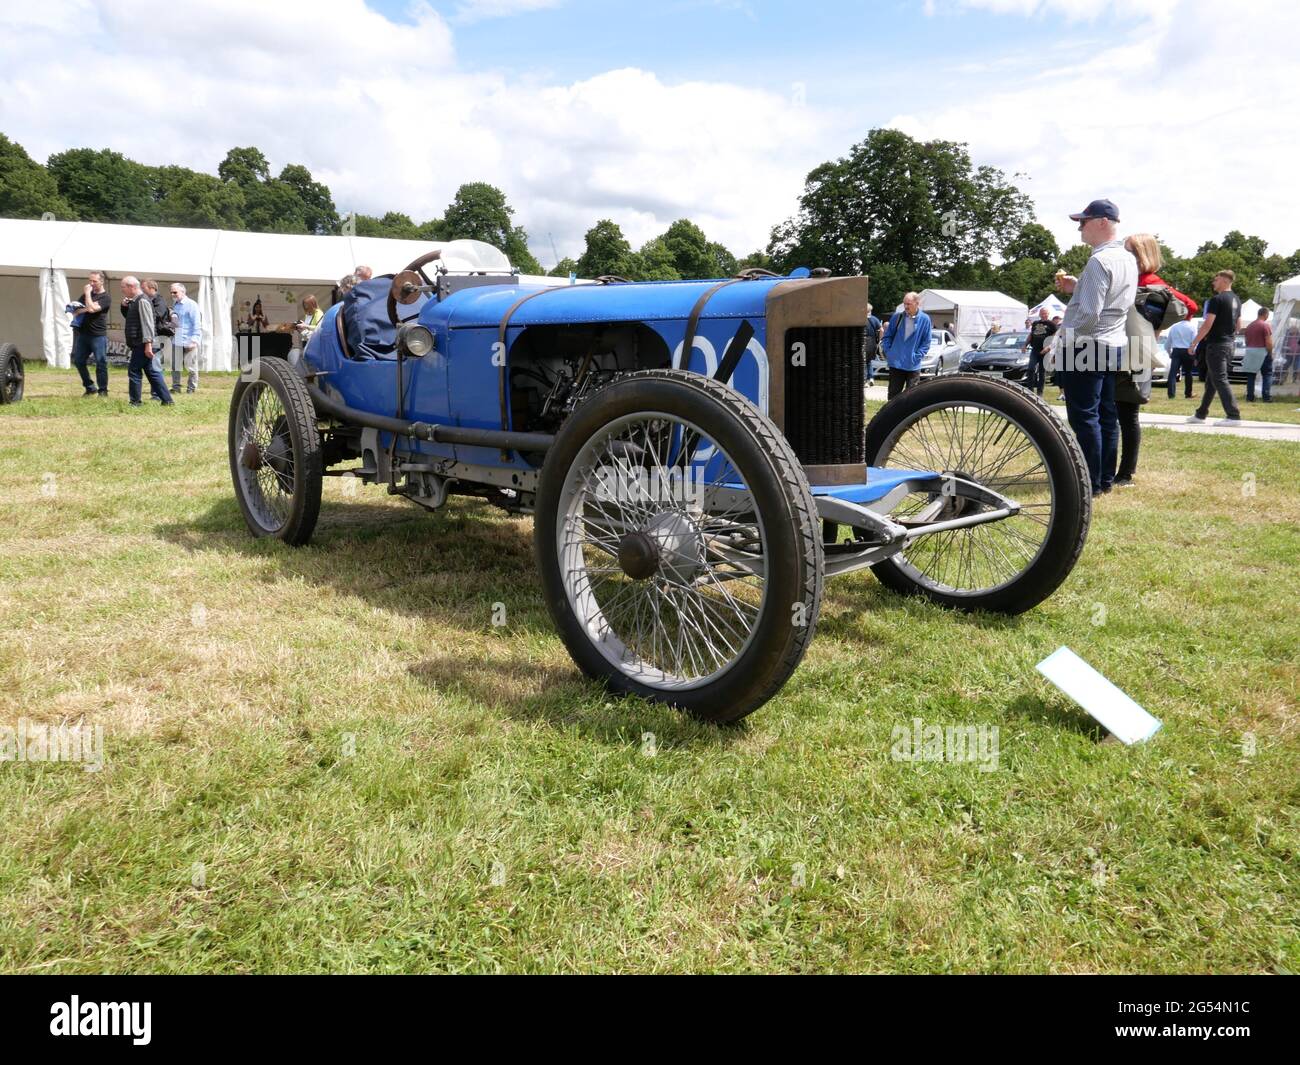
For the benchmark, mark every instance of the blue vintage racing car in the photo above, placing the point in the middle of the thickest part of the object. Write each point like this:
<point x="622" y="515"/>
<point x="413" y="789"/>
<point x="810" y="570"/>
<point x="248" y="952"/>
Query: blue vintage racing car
<point x="694" y="455"/>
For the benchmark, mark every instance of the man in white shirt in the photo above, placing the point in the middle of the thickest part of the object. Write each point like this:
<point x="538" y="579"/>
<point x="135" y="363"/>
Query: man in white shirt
<point x="189" y="335"/>
<point x="1090" y="344"/>
<point x="1180" y="336"/>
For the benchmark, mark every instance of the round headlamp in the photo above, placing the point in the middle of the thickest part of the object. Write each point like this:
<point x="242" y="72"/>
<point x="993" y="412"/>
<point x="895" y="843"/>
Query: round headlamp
<point x="414" y="340"/>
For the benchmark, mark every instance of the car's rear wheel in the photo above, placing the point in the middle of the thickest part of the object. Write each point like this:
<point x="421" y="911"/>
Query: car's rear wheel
<point x="1005" y="438"/>
<point x="12" y="376"/>
<point x="678" y="544"/>
<point x="275" y="453"/>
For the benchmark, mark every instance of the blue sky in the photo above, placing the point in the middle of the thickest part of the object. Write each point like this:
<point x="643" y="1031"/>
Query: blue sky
<point x="868" y="57"/>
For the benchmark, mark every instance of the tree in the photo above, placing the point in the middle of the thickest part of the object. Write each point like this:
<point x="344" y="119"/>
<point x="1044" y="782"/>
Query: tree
<point x="724" y="262"/>
<point x="1074" y="259"/>
<point x="274" y="207"/>
<point x="888" y="285"/>
<point x="394" y="224"/>
<point x="1194" y="276"/>
<point x="756" y="260"/>
<point x="1034" y="241"/>
<point x="607" y="252"/>
<point x="655" y="262"/>
<point x="104" y="186"/>
<point x="244" y="167"/>
<point x="564" y="268"/>
<point x="1274" y="269"/>
<point x="517" y="251"/>
<point x="200" y="201"/>
<point x="693" y="256"/>
<point x="1251" y="249"/>
<point x="1028" y="280"/>
<point x="920" y="206"/>
<point x="318" y="209"/>
<point x="27" y="189"/>
<point x="433" y="229"/>
<point x="480" y="212"/>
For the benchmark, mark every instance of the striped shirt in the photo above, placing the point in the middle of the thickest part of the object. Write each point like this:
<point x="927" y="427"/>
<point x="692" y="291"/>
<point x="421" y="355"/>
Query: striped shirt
<point x="1103" y="295"/>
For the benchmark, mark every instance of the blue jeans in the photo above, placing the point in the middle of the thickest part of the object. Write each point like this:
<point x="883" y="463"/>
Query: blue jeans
<point x="83" y="348"/>
<point x="141" y="364"/>
<point x="1090" y="408"/>
<point x="1181" y="362"/>
<point x="1265" y="372"/>
<point x="158" y="344"/>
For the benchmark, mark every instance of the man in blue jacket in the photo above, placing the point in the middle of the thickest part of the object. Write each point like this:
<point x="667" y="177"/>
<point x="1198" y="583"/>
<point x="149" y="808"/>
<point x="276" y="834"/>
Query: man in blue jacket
<point x="905" y="344"/>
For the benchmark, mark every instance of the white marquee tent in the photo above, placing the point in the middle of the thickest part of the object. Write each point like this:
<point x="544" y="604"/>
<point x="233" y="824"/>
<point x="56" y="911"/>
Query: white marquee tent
<point x="43" y="262"/>
<point x="1286" y="337"/>
<point x="1054" y="307"/>
<point x="1249" y="310"/>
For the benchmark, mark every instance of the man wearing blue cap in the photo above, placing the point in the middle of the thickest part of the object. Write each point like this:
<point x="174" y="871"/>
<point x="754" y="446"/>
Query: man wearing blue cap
<point x="1090" y="343"/>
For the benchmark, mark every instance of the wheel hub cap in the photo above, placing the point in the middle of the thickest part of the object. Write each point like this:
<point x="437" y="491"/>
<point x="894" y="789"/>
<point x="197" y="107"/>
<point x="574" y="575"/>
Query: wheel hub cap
<point x="679" y="545"/>
<point x="638" y="556"/>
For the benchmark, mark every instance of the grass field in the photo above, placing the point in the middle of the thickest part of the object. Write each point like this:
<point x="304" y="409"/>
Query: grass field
<point x="330" y="758"/>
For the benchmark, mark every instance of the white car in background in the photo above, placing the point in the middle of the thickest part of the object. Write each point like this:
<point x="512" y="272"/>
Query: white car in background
<point x="944" y="356"/>
<point x="1160" y="362"/>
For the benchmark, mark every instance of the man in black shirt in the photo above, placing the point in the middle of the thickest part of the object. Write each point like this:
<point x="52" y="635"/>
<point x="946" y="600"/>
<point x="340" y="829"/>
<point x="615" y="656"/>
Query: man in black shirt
<point x="92" y="336"/>
<point x="1218" y="332"/>
<point x="1039" y="334"/>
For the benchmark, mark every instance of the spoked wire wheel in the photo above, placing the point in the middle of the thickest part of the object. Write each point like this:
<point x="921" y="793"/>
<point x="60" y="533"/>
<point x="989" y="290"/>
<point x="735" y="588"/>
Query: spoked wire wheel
<point x="11" y="374"/>
<point x="275" y="457"/>
<point x="999" y="436"/>
<point x="670" y="591"/>
<point x="678" y="544"/>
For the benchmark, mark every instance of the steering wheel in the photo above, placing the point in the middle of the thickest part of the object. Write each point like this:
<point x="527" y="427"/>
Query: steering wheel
<point x="406" y="285"/>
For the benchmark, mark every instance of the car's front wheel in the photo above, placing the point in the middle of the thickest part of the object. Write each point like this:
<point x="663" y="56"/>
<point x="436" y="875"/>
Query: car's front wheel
<point x="678" y="543"/>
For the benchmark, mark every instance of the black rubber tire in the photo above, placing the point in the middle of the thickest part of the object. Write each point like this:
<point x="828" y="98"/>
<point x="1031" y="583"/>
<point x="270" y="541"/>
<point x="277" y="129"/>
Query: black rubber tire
<point x="1063" y="459"/>
<point x="304" y="438"/>
<point x="12" y="376"/>
<point x="780" y="490"/>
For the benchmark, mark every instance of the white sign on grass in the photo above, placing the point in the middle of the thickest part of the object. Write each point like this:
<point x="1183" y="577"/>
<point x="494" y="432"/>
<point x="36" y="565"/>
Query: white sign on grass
<point x="1120" y="715"/>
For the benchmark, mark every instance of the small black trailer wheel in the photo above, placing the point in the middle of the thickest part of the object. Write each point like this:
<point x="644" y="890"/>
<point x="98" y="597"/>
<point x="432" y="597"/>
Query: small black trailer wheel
<point x="11" y="374"/>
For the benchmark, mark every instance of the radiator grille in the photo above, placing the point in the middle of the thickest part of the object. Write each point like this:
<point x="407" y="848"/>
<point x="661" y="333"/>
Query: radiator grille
<point x="823" y="396"/>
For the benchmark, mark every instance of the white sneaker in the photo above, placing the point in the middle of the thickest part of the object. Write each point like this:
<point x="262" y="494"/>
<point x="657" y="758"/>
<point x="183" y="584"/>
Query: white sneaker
<point x="1196" y="419"/>
<point x="1228" y="421"/>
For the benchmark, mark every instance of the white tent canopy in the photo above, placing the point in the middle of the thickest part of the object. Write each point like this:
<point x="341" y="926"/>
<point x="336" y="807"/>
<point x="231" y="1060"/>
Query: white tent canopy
<point x="972" y="312"/>
<point x="37" y="259"/>
<point x="1286" y="337"/>
<point x="1054" y="307"/>
<point x="1249" y="310"/>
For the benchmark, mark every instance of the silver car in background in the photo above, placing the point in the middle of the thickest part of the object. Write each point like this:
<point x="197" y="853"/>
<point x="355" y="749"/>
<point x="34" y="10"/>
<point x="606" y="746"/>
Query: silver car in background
<point x="944" y="356"/>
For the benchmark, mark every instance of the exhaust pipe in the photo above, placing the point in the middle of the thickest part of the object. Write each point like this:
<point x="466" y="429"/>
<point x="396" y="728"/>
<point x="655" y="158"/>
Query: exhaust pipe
<point x="430" y="431"/>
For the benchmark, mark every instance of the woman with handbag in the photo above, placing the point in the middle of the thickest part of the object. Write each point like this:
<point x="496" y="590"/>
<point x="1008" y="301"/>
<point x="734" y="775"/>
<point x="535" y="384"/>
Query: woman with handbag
<point x="1132" y="391"/>
<point x="1146" y="250"/>
<point x="1158" y="305"/>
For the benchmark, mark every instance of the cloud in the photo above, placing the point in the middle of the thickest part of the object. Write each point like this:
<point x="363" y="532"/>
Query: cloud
<point x="1184" y="118"/>
<point x="383" y="114"/>
<point x="1185" y="121"/>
